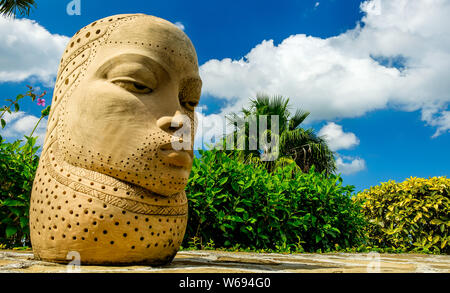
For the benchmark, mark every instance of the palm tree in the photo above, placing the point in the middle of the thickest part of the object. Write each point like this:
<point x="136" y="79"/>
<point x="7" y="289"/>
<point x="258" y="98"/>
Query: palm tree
<point x="296" y="144"/>
<point x="15" y="7"/>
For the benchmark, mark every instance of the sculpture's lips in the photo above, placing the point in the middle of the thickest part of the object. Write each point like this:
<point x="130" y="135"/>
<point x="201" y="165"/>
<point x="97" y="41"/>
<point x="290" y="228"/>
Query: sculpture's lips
<point x="181" y="158"/>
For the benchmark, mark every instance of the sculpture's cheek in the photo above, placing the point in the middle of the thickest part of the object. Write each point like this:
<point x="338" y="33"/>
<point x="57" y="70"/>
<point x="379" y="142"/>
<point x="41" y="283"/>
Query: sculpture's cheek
<point x="102" y="115"/>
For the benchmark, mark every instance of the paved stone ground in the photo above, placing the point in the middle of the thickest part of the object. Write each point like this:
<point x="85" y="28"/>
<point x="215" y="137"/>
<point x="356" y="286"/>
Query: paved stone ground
<point x="232" y="262"/>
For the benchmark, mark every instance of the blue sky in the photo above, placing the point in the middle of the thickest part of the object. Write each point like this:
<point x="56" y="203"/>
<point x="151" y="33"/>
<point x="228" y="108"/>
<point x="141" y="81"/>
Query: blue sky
<point x="374" y="74"/>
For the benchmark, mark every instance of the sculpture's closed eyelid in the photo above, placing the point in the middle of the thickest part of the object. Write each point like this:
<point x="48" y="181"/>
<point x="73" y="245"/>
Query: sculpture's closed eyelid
<point x="133" y="72"/>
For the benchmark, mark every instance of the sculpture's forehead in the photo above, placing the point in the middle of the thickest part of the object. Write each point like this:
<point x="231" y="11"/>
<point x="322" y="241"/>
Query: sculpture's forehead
<point x="159" y="37"/>
<point x="163" y="39"/>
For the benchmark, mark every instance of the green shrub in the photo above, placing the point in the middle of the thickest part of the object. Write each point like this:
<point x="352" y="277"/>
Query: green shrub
<point x="412" y="215"/>
<point x="235" y="204"/>
<point x="18" y="164"/>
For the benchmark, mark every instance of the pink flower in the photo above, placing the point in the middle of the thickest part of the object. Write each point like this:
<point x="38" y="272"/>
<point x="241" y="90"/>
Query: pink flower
<point x="41" y="102"/>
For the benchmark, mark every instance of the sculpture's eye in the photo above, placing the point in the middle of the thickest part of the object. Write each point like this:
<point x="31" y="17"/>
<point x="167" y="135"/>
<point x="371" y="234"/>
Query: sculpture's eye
<point x="133" y="86"/>
<point x="189" y="94"/>
<point x="190" y="105"/>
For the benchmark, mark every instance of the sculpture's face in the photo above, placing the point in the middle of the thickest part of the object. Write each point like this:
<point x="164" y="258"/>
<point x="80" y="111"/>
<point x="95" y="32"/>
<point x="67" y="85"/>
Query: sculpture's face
<point x="125" y="113"/>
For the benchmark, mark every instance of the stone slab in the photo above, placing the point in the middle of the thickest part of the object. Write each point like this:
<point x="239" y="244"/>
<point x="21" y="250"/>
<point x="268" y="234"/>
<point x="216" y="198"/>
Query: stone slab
<point x="12" y="261"/>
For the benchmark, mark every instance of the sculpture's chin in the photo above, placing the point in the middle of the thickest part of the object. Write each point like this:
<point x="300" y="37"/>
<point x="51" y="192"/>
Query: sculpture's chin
<point x="166" y="185"/>
<point x="161" y="177"/>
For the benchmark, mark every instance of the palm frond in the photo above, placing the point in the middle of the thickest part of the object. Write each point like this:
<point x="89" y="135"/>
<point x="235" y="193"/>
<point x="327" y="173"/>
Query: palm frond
<point x="295" y="144"/>
<point x="16" y="7"/>
<point x="297" y="119"/>
<point x="307" y="149"/>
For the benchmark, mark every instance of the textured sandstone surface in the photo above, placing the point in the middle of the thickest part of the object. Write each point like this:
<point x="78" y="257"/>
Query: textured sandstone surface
<point x="118" y="149"/>
<point x="232" y="262"/>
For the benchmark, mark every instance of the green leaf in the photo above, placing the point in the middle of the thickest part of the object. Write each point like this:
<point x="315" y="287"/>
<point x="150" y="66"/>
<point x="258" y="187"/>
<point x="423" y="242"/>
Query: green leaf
<point x="16" y="211"/>
<point x="240" y="210"/>
<point x="16" y="107"/>
<point x="12" y="203"/>
<point x="223" y="180"/>
<point x="23" y="222"/>
<point x="237" y="219"/>
<point x="436" y="222"/>
<point x="318" y="238"/>
<point x="46" y="111"/>
<point x="3" y="123"/>
<point x="10" y="231"/>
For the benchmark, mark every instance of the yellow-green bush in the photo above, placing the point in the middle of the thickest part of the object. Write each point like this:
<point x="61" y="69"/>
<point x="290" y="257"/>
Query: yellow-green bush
<point x="412" y="215"/>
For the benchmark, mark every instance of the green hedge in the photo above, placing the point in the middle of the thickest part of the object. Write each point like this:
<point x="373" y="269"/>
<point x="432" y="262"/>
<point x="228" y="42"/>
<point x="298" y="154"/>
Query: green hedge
<point x="236" y="205"/>
<point x="233" y="203"/>
<point x="412" y="215"/>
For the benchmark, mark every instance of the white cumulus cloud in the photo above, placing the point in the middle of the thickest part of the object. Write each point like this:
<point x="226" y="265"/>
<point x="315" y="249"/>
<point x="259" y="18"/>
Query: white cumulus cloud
<point x="397" y="56"/>
<point x="349" y="165"/>
<point x="439" y="120"/>
<point x="336" y="138"/>
<point x="28" y="50"/>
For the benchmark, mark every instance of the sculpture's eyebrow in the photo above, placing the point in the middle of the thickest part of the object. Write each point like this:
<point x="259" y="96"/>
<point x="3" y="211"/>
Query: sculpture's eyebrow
<point x="150" y="64"/>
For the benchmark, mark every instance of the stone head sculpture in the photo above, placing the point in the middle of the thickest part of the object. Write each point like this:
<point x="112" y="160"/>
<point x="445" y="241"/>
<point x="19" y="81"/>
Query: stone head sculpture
<point x="110" y="184"/>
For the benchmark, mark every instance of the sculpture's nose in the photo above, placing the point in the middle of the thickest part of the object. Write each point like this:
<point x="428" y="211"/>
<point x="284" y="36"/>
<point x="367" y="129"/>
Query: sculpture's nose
<point x="171" y="124"/>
